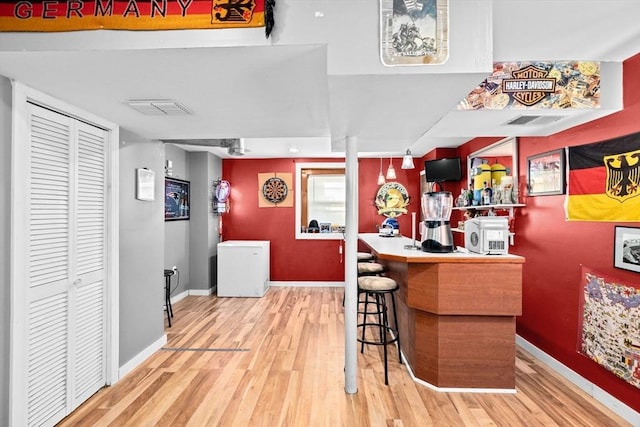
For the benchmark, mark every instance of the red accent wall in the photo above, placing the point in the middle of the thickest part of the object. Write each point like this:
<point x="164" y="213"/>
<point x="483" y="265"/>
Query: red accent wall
<point x="556" y="249"/>
<point x="304" y="260"/>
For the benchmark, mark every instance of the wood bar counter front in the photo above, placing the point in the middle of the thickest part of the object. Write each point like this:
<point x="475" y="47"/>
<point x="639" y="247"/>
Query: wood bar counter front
<point x="457" y="313"/>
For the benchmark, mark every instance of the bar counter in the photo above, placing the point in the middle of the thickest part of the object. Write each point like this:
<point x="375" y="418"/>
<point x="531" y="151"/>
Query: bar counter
<point x="456" y="313"/>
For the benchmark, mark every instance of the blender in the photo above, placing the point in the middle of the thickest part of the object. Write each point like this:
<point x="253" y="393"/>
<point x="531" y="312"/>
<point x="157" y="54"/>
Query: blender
<point x="436" y="209"/>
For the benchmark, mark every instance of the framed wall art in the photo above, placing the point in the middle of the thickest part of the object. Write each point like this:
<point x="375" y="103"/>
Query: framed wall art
<point x="414" y="32"/>
<point x="626" y="248"/>
<point x="145" y="188"/>
<point x="176" y="199"/>
<point x="546" y="173"/>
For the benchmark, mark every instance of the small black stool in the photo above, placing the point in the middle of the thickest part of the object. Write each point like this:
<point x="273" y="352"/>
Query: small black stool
<point x="167" y="294"/>
<point x="377" y="288"/>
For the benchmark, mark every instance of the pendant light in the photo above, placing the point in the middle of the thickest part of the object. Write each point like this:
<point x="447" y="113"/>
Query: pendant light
<point x="381" y="179"/>
<point x="407" y="161"/>
<point x="391" y="172"/>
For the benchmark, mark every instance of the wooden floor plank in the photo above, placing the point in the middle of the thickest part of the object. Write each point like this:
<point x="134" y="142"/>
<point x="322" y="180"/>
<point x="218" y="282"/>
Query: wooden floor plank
<point x="279" y="361"/>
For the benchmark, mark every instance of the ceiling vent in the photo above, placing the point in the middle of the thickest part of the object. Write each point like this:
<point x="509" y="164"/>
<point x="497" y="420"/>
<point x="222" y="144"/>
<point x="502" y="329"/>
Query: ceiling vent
<point x="159" y="107"/>
<point x="534" y="120"/>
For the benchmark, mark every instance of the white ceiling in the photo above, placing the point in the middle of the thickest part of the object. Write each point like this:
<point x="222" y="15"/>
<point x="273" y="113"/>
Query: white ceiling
<point x="281" y="96"/>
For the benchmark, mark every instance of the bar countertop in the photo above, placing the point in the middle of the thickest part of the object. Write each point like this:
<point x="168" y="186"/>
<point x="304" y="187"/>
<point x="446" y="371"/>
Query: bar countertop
<point x="393" y="249"/>
<point x="456" y="313"/>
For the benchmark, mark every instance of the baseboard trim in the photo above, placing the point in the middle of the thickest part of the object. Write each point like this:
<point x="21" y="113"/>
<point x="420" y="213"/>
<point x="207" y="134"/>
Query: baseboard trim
<point x="201" y="292"/>
<point x="453" y="389"/>
<point x="585" y="385"/>
<point x="142" y="356"/>
<point x="194" y="292"/>
<point x="308" y="284"/>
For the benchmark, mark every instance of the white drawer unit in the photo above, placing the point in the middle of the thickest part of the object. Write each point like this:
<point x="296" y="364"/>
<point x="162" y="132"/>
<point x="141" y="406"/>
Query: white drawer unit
<point x="243" y="268"/>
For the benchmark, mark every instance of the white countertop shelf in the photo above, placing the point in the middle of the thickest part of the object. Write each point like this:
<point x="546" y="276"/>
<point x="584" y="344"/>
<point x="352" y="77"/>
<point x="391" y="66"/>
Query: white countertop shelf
<point x="394" y="247"/>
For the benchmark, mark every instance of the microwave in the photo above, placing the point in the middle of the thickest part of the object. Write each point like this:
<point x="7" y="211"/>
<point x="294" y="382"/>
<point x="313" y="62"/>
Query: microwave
<point x="487" y="235"/>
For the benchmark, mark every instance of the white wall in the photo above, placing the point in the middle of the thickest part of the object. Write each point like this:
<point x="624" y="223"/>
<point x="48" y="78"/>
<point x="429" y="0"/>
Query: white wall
<point x="176" y="233"/>
<point x="205" y="168"/>
<point x="141" y="248"/>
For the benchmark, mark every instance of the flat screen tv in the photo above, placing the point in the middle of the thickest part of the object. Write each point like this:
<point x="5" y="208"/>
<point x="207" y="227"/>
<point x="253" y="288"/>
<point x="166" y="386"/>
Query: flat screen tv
<point x="441" y="170"/>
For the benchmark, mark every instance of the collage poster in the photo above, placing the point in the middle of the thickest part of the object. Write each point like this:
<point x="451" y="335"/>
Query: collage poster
<point x="610" y="325"/>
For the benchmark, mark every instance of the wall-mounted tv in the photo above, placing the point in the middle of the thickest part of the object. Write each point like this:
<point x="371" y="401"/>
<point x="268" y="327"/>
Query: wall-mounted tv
<point x="176" y="199"/>
<point x="441" y="170"/>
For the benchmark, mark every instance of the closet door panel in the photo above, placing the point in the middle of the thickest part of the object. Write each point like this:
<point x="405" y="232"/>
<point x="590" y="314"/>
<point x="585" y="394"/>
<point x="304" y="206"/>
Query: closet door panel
<point x="90" y="228"/>
<point x="49" y="265"/>
<point x="66" y="342"/>
<point x="90" y="349"/>
<point x="50" y="164"/>
<point x="90" y="261"/>
<point x="47" y="376"/>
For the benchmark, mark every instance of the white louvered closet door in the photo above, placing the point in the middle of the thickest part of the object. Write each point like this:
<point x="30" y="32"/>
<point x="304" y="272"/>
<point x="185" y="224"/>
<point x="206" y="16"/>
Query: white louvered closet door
<point x="66" y="295"/>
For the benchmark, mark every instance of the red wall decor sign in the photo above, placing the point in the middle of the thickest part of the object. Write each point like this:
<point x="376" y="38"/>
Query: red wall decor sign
<point x="392" y="200"/>
<point x="73" y="15"/>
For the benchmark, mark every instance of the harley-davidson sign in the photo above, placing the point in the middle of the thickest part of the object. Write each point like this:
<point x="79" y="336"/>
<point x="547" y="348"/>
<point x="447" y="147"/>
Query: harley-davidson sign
<point x="529" y="85"/>
<point x="537" y="85"/>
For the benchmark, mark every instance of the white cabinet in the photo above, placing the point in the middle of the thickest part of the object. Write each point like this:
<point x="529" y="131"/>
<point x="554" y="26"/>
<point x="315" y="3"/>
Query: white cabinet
<point x="243" y="268"/>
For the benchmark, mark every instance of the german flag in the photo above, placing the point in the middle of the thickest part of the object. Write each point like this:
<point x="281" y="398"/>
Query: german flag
<point x="604" y="181"/>
<point x="74" y="15"/>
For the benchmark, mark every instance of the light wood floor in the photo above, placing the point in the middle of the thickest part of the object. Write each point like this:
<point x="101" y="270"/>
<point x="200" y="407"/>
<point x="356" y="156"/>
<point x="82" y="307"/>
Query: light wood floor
<point x="278" y="361"/>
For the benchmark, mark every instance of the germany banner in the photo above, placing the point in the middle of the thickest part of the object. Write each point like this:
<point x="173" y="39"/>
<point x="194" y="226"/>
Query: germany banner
<point x="72" y="15"/>
<point x="604" y="181"/>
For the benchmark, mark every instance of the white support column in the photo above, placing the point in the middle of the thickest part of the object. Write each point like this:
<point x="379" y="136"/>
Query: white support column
<point x="351" y="269"/>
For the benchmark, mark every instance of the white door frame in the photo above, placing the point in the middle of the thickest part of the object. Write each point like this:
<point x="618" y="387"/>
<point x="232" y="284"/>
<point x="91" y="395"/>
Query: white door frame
<point x="18" y="266"/>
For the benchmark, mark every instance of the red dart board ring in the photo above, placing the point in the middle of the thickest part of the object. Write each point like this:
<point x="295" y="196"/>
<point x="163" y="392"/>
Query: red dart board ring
<point x="275" y="190"/>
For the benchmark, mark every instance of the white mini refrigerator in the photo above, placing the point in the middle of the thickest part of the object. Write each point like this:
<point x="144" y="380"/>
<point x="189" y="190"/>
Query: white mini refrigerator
<point x="243" y="268"/>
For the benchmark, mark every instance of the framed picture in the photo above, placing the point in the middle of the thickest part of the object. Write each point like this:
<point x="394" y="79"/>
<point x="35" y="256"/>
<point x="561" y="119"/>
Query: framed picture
<point x="325" y="227"/>
<point x="626" y="248"/>
<point x="546" y="173"/>
<point x="144" y="184"/>
<point x="176" y="199"/>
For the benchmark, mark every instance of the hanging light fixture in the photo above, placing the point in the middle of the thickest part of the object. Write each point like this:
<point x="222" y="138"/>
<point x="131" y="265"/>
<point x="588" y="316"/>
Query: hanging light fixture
<point x="407" y="161"/>
<point x="391" y="172"/>
<point x="381" y="179"/>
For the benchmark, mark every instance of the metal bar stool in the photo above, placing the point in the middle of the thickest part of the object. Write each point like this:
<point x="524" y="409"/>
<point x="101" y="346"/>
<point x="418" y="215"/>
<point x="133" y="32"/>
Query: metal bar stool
<point x="365" y="257"/>
<point x="377" y="288"/>
<point x="370" y="269"/>
<point x="167" y="294"/>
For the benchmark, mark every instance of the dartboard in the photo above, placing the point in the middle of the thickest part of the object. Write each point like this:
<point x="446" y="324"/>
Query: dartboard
<point x="274" y="190"/>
